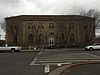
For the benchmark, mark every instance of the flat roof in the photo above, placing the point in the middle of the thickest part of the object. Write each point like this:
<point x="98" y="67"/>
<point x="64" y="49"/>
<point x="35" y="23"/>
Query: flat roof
<point x="49" y="17"/>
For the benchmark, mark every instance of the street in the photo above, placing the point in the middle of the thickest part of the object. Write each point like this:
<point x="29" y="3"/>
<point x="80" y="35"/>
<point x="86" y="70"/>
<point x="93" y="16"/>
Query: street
<point x="42" y="62"/>
<point x="18" y="64"/>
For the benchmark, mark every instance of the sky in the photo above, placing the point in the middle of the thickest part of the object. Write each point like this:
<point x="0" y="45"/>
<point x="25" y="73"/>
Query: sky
<point x="44" y="7"/>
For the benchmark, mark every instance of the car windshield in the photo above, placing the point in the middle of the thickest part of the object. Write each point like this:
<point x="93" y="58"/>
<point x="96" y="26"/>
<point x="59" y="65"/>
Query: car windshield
<point x="96" y="44"/>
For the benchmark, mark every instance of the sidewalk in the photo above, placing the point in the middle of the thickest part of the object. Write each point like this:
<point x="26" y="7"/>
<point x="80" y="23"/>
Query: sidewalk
<point x="85" y="68"/>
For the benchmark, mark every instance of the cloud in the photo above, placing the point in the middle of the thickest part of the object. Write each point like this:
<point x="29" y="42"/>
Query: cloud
<point x="10" y="2"/>
<point x="18" y="7"/>
<point x="35" y="7"/>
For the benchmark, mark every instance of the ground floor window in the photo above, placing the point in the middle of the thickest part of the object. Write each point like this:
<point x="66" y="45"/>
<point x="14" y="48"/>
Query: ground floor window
<point x="30" y="38"/>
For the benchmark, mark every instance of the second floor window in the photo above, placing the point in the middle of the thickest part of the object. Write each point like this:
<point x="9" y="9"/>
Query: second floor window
<point x="42" y="26"/>
<point x="28" y="27"/>
<point x="51" y="25"/>
<point x="72" y="25"/>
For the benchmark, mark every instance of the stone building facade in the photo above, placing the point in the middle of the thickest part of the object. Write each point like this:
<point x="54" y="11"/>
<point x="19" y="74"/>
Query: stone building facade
<point x="50" y="30"/>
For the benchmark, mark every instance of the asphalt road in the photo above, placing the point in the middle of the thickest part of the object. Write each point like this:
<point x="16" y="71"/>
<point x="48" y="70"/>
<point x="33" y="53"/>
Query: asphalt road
<point x="95" y="52"/>
<point x="18" y="63"/>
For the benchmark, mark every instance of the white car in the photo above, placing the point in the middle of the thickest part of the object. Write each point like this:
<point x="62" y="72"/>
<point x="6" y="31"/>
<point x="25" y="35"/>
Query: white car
<point x="10" y="48"/>
<point x="92" y="47"/>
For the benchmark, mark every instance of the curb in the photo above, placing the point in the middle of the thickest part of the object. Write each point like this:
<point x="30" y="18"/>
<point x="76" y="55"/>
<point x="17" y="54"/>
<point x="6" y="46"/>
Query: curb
<point x="61" y="70"/>
<point x="79" y="64"/>
<point x="57" y="71"/>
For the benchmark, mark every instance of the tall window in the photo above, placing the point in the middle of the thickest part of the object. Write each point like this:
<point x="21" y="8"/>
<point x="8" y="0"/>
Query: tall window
<point x="41" y="38"/>
<point x="28" y="27"/>
<point x="51" y="39"/>
<point x="61" y="39"/>
<point x="30" y="38"/>
<point x="72" y="25"/>
<point x="42" y="26"/>
<point x="72" y="39"/>
<point x="51" y="25"/>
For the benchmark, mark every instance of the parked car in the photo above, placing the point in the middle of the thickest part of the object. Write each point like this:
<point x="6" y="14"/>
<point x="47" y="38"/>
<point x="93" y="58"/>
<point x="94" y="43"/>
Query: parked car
<point x="10" y="48"/>
<point x="95" y="46"/>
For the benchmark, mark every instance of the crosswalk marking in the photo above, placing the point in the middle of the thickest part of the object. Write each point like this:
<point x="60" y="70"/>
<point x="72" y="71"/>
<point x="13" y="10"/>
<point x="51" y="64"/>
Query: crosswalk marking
<point x="41" y="60"/>
<point x="35" y="59"/>
<point x="63" y="60"/>
<point x="47" y="69"/>
<point x="93" y="55"/>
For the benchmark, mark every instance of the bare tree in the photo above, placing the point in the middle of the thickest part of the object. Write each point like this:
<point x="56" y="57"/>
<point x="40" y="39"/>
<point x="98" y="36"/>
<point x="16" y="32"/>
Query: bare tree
<point x="15" y="33"/>
<point x="13" y="28"/>
<point x="35" y="31"/>
<point x="94" y="14"/>
<point x="90" y="29"/>
<point x="64" y="29"/>
<point x="3" y="25"/>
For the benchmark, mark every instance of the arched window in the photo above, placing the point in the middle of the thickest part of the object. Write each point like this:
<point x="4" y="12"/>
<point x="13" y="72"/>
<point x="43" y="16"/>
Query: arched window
<point x="51" y="38"/>
<point x="72" y="39"/>
<point x="51" y="35"/>
<point x="41" y="38"/>
<point x="61" y="39"/>
<point x="30" y="38"/>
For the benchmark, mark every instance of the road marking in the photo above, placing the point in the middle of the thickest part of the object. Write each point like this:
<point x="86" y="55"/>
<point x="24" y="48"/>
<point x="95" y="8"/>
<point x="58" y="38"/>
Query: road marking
<point x="48" y="61"/>
<point x="67" y="61"/>
<point x="40" y="53"/>
<point x="51" y="60"/>
<point x="35" y="59"/>
<point x="47" y="69"/>
<point x="93" y="55"/>
<point x="59" y="64"/>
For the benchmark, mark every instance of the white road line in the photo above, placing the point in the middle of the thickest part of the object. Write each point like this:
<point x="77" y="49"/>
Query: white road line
<point x="59" y="64"/>
<point x="93" y="55"/>
<point x="66" y="61"/>
<point x="47" y="69"/>
<point x="48" y="61"/>
<point x="56" y="63"/>
<point x="35" y="59"/>
<point x="40" y="53"/>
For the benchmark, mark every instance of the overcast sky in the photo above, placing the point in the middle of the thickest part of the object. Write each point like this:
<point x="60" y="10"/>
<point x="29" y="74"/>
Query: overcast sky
<point x="50" y="7"/>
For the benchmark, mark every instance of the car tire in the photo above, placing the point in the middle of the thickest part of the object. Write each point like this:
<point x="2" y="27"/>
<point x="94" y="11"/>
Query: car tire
<point x="12" y="50"/>
<point x="91" y="49"/>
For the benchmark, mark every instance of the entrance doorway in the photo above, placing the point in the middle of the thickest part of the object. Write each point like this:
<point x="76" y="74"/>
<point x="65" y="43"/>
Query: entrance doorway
<point x="51" y="40"/>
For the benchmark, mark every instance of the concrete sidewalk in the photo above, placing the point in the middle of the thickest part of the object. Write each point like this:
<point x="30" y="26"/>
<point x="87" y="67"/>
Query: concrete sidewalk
<point x="65" y="69"/>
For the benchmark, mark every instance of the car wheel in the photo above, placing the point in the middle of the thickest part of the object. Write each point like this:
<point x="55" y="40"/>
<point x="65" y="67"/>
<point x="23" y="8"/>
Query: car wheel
<point x="12" y="50"/>
<point x="91" y="49"/>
